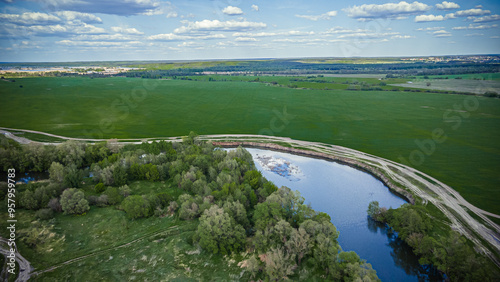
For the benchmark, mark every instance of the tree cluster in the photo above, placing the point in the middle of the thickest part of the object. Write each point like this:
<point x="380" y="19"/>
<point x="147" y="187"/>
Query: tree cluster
<point x="450" y="252"/>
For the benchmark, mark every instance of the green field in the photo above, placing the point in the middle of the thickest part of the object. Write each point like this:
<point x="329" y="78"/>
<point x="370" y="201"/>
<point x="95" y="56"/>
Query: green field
<point x="384" y="123"/>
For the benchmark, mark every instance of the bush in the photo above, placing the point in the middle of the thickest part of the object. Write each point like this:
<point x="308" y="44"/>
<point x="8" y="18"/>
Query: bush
<point x="113" y="196"/>
<point x="136" y="206"/>
<point x="45" y="214"/>
<point x="491" y="94"/>
<point x="124" y="191"/>
<point x="55" y="205"/>
<point x="73" y="202"/>
<point x="99" y="187"/>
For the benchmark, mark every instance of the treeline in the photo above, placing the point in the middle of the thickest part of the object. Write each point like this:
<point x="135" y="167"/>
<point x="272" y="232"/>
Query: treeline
<point x="442" y="247"/>
<point x="284" y="67"/>
<point x="236" y="208"/>
<point x="38" y="158"/>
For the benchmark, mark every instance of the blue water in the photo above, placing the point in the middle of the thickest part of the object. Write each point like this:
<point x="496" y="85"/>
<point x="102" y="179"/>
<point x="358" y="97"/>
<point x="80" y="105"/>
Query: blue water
<point x="344" y="193"/>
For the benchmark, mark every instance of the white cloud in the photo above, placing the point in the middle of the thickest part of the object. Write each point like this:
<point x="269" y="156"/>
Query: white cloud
<point x="176" y="37"/>
<point x="84" y="17"/>
<point x="402" y="37"/>
<point x="249" y="34"/>
<point x="104" y="37"/>
<point x="325" y="16"/>
<point x="168" y="37"/>
<point x="468" y="13"/>
<point x="339" y="29"/>
<point x="44" y="30"/>
<point x="485" y="19"/>
<point x="88" y="43"/>
<point x="245" y="39"/>
<point x="447" y="6"/>
<point x="368" y="35"/>
<point x="269" y="34"/>
<point x="388" y="10"/>
<point x="430" y="28"/>
<point x="297" y="33"/>
<point x="441" y="33"/>
<point x="88" y="29"/>
<point x="30" y="19"/>
<point x="474" y="34"/>
<point x="494" y="37"/>
<point x="232" y="11"/>
<point x="429" y="18"/>
<point x="114" y="7"/>
<point x="216" y="25"/>
<point x="475" y="26"/>
<point x="288" y="40"/>
<point x="126" y="30"/>
<point x="172" y="14"/>
<point x="255" y="8"/>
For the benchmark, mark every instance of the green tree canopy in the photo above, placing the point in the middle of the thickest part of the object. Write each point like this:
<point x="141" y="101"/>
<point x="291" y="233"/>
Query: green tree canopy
<point x="219" y="233"/>
<point x="73" y="201"/>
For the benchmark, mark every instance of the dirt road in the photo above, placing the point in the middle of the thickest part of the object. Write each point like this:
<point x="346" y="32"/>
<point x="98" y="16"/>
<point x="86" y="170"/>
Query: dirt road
<point x="24" y="265"/>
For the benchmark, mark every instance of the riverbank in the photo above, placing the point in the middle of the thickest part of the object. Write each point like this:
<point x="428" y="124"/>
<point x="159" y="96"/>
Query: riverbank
<point x="467" y="219"/>
<point x="345" y="161"/>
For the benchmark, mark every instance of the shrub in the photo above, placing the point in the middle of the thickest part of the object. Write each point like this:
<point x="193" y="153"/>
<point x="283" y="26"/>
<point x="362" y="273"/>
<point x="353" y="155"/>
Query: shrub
<point x="73" y="202"/>
<point x="55" y="205"/>
<point x="99" y="187"/>
<point x="45" y="214"/>
<point x="136" y="206"/>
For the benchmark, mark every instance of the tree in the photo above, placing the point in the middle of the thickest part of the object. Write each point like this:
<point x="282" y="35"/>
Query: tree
<point x="136" y="206"/>
<point x="279" y="264"/>
<point x="55" y="205"/>
<point x="56" y="172"/>
<point x="376" y="212"/>
<point x="71" y="153"/>
<point x="28" y="200"/>
<point x="73" y="202"/>
<point x="72" y="177"/>
<point x="352" y="268"/>
<point x="219" y="233"/>
<point x="299" y="244"/>
<point x="124" y="191"/>
<point x="99" y="187"/>
<point x="113" y="195"/>
<point x="119" y="175"/>
<point x="252" y="265"/>
<point x="172" y="207"/>
<point x="237" y="211"/>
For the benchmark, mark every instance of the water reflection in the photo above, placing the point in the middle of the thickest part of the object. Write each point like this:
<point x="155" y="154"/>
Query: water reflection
<point x="344" y="193"/>
<point x="402" y="254"/>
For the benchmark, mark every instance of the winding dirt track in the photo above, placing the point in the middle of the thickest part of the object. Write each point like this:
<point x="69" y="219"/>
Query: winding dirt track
<point x="425" y="187"/>
<point x="24" y="265"/>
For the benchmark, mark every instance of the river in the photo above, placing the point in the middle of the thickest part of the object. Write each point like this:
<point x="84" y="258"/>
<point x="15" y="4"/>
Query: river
<point x="344" y="193"/>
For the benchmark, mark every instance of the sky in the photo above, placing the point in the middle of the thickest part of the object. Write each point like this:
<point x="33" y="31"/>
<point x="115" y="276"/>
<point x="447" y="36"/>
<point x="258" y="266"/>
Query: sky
<point x="123" y="30"/>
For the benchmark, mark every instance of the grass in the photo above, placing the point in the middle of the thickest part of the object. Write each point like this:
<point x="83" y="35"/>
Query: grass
<point x="161" y="247"/>
<point x="167" y="254"/>
<point x="389" y="124"/>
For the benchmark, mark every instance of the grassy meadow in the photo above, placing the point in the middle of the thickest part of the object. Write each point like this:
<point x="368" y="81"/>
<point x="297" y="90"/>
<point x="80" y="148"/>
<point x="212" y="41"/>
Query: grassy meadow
<point x="389" y="124"/>
<point x="161" y="246"/>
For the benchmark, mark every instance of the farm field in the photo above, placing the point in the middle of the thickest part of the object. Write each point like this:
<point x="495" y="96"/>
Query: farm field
<point x="390" y="124"/>
<point x="461" y="85"/>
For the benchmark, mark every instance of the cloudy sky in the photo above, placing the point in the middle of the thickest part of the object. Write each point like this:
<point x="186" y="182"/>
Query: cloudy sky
<point x="89" y="30"/>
